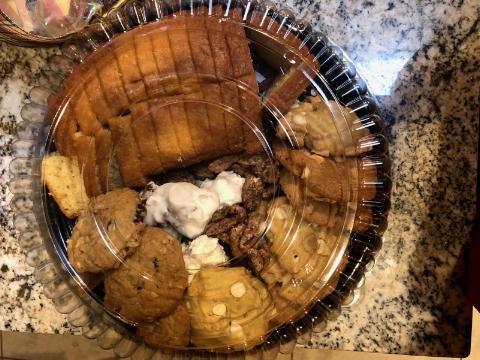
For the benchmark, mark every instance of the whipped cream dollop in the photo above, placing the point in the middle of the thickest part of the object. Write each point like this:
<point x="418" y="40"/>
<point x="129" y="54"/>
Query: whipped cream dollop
<point x="228" y="187"/>
<point x="185" y="206"/>
<point x="203" y="251"/>
<point x="189" y="208"/>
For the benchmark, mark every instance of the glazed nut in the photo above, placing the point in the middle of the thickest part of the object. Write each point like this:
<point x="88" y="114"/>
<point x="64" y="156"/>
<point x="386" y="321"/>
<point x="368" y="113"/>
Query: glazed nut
<point x="219" y="309"/>
<point x="238" y="289"/>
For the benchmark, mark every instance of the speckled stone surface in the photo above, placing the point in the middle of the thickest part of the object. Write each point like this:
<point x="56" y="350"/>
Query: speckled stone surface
<point x="422" y="60"/>
<point x="23" y="306"/>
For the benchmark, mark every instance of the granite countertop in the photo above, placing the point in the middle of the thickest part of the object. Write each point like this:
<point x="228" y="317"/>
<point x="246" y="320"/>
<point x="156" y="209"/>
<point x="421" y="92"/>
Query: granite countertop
<point x="422" y="60"/>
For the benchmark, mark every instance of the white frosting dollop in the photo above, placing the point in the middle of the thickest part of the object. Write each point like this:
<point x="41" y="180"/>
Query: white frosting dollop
<point x="228" y="187"/>
<point x="189" y="208"/>
<point x="185" y="206"/>
<point x="203" y="251"/>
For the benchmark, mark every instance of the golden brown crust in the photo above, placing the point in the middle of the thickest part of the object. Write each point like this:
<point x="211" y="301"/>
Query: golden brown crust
<point x="151" y="282"/>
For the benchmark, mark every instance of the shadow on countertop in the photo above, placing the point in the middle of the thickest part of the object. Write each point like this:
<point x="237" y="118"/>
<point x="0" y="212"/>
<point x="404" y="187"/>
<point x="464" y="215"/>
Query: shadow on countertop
<point x="436" y="103"/>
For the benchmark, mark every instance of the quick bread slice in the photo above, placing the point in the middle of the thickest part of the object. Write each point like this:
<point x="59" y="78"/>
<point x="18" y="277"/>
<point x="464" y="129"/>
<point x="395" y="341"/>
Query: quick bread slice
<point x="238" y="45"/>
<point x="111" y="83"/>
<point x="214" y="92"/>
<point x="237" y="50"/>
<point x="103" y="148"/>
<point x="216" y="115"/>
<point x="86" y="154"/>
<point x="62" y="176"/>
<point x="277" y="40"/>
<point x="167" y="142"/>
<point x="126" y="150"/>
<point x="182" y="55"/>
<point x="65" y="126"/>
<point x="201" y="49"/>
<point x="144" y="133"/>
<point x="233" y="121"/>
<point x="243" y="71"/>
<point x="184" y="68"/>
<point x="84" y="114"/>
<point x="147" y="64"/>
<point x="205" y="73"/>
<point x="95" y="94"/>
<point x="199" y="125"/>
<point x="219" y="48"/>
<point x="165" y="63"/>
<point x="251" y="107"/>
<point x="289" y="86"/>
<point x="125" y="53"/>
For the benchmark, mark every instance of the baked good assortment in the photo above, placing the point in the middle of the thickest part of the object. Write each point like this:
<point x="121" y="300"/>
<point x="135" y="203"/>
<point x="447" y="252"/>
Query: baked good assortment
<point x="206" y="223"/>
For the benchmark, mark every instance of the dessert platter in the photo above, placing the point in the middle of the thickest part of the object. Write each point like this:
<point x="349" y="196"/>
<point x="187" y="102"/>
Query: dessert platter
<point x="210" y="177"/>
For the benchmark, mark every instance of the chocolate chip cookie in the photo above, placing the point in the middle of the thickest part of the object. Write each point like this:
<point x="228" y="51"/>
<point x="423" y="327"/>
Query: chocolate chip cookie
<point x="151" y="282"/>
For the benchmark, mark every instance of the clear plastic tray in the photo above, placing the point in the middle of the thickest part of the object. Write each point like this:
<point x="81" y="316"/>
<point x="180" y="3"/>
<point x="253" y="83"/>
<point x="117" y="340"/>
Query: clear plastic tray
<point x="163" y="71"/>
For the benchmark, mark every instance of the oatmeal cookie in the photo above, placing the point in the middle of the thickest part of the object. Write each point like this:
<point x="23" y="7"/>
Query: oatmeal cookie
<point x="106" y="233"/>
